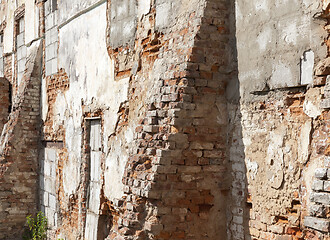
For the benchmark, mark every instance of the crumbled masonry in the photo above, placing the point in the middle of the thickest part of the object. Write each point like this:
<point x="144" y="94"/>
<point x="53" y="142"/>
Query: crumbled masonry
<point x="166" y="119"/>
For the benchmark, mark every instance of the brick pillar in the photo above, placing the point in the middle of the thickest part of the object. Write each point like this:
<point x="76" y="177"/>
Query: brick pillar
<point x="177" y="183"/>
<point x="19" y="152"/>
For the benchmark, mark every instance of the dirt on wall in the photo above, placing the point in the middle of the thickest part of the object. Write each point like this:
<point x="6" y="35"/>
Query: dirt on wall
<point x="165" y="120"/>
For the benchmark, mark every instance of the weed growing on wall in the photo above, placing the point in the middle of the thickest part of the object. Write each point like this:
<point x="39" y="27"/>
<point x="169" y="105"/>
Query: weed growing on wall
<point x="37" y="227"/>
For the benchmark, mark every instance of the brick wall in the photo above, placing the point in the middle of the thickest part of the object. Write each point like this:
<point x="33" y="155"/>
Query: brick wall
<point x="278" y="144"/>
<point x="200" y="162"/>
<point x="177" y="185"/>
<point x="5" y="101"/>
<point x="19" y="153"/>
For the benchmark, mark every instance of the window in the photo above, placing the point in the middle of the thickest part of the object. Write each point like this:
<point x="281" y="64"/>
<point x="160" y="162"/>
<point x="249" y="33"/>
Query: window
<point x="54" y="5"/>
<point x="21" y="26"/>
<point x="94" y="184"/>
<point x="21" y="49"/>
<point x="51" y="37"/>
<point x="47" y="180"/>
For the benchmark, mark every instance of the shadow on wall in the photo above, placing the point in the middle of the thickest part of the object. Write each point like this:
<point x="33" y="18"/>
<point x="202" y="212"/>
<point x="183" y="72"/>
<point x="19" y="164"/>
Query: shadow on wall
<point x="238" y="214"/>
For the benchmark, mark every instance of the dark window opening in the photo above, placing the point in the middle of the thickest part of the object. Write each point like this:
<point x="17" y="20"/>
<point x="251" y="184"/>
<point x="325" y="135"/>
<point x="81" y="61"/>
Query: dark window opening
<point x="20" y="25"/>
<point x="54" y="5"/>
<point x="20" y="49"/>
<point x="10" y="98"/>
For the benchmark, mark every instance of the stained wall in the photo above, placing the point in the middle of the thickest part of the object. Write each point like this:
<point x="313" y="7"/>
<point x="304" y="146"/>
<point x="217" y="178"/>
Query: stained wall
<point x="281" y="127"/>
<point x="212" y="119"/>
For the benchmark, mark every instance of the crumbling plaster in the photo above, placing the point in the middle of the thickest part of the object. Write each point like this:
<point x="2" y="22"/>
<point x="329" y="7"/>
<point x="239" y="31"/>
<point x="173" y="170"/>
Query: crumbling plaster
<point x="8" y="16"/>
<point x="282" y="124"/>
<point x="69" y="9"/>
<point x="179" y="158"/>
<point x="31" y="22"/>
<point x="265" y="31"/>
<point x="90" y="85"/>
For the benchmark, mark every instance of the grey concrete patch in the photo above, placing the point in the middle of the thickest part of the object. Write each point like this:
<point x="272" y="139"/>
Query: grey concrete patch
<point x="68" y="9"/>
<point x="122" y="22"/>
<point x="265" y="31"/>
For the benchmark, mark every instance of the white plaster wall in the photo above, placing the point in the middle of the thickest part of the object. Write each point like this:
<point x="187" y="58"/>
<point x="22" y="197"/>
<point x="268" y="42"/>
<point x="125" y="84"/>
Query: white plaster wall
<point x="143" y="7"/>
<point x="3" y="8"/>
<point x="9" y="30"/>
<point x="31" y="21"/>
<point x="68" y="9"/>
<point x="83" y="55"/>
<point x="114" y="169"/>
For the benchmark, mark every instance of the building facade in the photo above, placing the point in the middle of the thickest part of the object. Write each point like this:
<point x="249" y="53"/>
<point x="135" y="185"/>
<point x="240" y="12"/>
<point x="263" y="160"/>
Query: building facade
<point x="165" y="119"/>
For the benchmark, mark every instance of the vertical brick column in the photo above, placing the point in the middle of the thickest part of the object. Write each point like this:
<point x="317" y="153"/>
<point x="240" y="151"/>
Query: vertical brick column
<point x="177" y="178"/>
<point x="19" y="152"/>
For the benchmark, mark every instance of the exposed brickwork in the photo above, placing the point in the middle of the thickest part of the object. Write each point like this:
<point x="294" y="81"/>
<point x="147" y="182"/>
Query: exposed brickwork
<point x="55" y="83"/>
<point x="318" y="218"/>
<point x="8" y="73"/>
<point x="4" y="101"/>
<point x="276" y="143"/>
<point x="19" y="153"/>
<point x="182" y="152"/>
<point x="177" y="179"/>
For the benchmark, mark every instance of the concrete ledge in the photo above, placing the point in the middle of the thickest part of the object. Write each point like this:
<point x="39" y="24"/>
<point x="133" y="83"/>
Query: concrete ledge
<point x="317" y="223"/>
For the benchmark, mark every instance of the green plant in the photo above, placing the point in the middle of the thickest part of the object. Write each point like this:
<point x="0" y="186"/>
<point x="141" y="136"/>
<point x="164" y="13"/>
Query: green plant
<point x="37" y="227"/>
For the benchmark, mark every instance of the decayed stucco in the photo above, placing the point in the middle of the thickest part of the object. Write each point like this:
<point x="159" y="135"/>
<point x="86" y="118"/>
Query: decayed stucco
<point x="273" y="27"/>
<point x="194" y="119"/>
<point x="280" y="127"/>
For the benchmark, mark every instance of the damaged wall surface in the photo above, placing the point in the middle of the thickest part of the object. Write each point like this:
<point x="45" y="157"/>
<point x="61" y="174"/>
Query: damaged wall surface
<point x="280" y="136"/>
<point x="164" y="119"/>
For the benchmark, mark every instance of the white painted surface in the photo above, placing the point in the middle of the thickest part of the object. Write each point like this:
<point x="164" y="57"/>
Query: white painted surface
<point x="279" y="31"/>
<point x="71" y="168"/>
<point x="94" y="197"/>
<point x="307" y="68"/>
<point x="90" y="231"/>
<point x="252" y="169"/>
<point x="9" y="30"/>
<point x="163" y="14"/>
<point x="264" y="38"/>
<point x="312" y="109"/>
<point x="94" y="188"/>
<point x="69" y="9"/>
<point x="114" y="169"/>
<point x="96" y="166"/>
<point x="31" y="21"/>
<point x="143" y="7"/>
<point x="91" y="74"/>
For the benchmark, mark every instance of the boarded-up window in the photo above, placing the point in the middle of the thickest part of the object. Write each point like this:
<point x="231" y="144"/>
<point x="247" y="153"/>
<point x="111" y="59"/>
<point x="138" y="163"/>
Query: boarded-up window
<point x="21" y="49"/>
<point x="48" y="200"/>
<point x="94" y="184"/>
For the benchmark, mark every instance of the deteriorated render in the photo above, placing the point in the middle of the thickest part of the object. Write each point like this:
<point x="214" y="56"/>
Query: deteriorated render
<point x="166" y="119"/>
